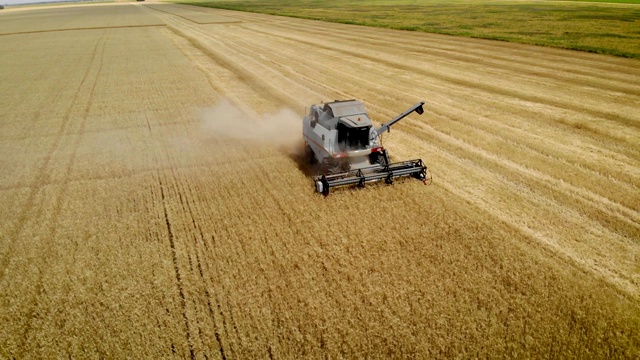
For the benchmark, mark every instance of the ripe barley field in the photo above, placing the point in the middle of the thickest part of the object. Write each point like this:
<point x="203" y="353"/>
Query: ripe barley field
<point x="150" y="210"/>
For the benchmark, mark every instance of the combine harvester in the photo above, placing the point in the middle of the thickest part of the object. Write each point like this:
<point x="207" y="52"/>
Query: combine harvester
<point x="341" y="138"/>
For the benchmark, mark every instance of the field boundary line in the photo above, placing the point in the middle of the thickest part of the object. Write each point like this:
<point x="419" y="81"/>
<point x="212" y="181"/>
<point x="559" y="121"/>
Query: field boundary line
<point x="193" y="21"/>
<point x="83" y="28"/>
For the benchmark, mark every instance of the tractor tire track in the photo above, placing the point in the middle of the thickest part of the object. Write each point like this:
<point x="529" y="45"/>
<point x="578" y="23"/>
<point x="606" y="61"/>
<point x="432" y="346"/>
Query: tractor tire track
<point x="176" y="266"/>
<point x="49" y="244"/>
<point x="184" y="193"/>
<point x="42" y="176"/>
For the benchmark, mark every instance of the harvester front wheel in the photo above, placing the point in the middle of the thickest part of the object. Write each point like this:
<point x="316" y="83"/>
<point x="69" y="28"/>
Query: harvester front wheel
<point x="380" y="158"/>
<point x="309" y="155"/>
<point x="385" y="157"/>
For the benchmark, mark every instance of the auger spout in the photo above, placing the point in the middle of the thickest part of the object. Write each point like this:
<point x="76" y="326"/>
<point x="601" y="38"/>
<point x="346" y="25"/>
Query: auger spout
<point x="386" y="126"/>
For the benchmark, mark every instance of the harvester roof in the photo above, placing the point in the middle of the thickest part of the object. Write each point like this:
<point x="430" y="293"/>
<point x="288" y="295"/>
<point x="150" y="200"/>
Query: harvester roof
<point x="355" y="121"/>
<point x="350" y="113"/>
<point x="345" y="108"/>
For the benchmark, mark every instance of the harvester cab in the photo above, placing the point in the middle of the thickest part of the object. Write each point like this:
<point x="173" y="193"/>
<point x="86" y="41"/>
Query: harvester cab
<point x="341" y="137"/>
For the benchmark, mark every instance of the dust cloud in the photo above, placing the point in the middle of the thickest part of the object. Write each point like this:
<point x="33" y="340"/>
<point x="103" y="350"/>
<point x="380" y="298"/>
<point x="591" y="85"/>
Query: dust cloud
<point x="282" y="129"/>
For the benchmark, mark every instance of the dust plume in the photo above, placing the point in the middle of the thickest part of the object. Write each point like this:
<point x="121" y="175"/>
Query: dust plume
<point x="282" y="129"/>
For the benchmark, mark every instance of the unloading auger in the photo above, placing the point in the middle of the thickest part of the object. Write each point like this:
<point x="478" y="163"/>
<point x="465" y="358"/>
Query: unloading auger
<point x="341" y="138"/>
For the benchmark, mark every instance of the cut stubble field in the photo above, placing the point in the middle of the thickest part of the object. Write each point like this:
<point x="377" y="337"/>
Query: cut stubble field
<point x="135" y="223"/>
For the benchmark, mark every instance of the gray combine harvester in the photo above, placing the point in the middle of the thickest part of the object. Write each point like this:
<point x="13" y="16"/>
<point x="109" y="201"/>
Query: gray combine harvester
<point x="341" y="138"/>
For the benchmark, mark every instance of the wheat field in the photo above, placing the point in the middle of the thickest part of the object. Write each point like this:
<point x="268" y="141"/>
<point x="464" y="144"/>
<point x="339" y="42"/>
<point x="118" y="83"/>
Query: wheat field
<point x="144" y="216"/>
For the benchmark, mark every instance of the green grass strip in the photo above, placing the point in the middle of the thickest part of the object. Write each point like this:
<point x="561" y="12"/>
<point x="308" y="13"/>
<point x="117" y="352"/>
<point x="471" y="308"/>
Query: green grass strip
<point x="604" y="28"/>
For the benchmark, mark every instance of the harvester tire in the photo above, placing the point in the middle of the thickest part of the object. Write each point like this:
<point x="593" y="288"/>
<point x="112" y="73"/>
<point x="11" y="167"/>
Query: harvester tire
<point x="309" y="155"/>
